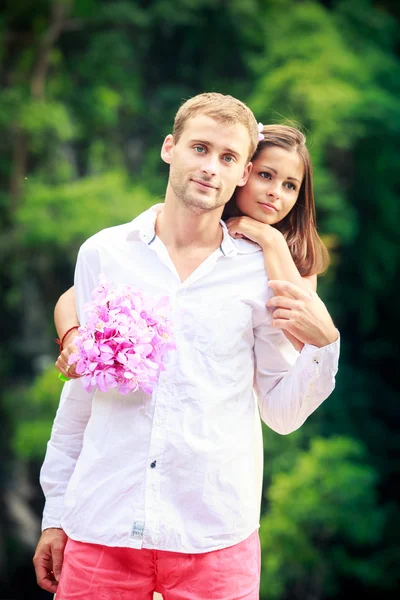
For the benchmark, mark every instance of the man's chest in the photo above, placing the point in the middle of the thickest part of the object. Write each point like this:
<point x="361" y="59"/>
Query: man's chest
<point x="208" y="287"/>
<point x="186" y="263"/>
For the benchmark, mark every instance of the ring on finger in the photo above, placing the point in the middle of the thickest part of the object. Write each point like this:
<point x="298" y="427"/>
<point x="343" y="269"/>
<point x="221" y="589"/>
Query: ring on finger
<point x="67" y="368"/>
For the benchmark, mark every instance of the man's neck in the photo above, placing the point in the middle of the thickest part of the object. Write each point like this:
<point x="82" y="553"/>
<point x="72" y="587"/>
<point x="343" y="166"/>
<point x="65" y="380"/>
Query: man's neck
<point x="180" y="228"/>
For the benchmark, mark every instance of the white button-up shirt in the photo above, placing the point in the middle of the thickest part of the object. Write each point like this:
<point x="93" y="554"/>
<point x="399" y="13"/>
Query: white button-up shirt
<point x="176" y="470"/>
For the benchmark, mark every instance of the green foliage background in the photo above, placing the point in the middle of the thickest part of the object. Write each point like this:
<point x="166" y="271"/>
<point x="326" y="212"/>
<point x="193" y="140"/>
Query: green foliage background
<point x="88" y="90"/>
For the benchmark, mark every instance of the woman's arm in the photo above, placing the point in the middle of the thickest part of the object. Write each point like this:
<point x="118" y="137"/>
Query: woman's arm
<point x="65" y="315"/>
<point x="278" y="261"/>
<point x="280" y="265"/>
<point x="65" y="318"/>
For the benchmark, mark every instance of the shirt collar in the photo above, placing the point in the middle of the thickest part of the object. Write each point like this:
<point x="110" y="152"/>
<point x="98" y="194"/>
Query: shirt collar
<point x="143" y="228"/>
<point x="230" y="246"/>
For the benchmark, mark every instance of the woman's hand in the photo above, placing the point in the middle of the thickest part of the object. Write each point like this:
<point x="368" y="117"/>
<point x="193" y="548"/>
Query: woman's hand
<point x="246" y="227"/>
<point x="297" y="344"/>
<point x="302" y="314"/>
<point x="62" y="363"/>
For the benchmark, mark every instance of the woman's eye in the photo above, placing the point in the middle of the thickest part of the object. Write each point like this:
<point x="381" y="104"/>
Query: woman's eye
<point x="291" y="186"/>
<point x="265" y="175"/>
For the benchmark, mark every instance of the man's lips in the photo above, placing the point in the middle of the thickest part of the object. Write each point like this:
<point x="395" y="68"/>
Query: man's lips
<point x="269" y="207"/>
<point x="205" y="184"/>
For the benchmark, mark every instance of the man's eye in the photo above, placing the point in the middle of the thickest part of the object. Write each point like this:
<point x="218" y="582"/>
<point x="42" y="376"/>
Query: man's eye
<point x="199" y="149"/>
<point x="228" y="159"/>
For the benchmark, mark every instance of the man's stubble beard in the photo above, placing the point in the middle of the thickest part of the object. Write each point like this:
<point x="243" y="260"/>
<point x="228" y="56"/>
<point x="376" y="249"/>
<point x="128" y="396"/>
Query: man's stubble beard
<point x="191" y="200"/>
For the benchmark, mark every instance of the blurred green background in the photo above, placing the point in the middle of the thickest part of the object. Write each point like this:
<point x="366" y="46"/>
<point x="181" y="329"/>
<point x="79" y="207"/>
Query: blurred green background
<point x="89" y="89"/>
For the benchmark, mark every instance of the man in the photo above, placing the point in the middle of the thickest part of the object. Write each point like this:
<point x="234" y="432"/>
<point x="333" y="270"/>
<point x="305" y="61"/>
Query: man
<point x="158" y="493"/>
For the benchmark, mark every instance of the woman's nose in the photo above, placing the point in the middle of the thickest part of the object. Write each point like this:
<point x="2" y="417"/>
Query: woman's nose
<point x="274" y="189"/>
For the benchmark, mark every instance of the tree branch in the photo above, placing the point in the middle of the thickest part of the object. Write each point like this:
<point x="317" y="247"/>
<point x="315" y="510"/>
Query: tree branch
<point x="59" y="11"/>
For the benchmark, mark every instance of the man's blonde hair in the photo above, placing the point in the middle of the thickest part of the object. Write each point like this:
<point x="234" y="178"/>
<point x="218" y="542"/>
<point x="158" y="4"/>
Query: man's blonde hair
<point x="224" y="109"/>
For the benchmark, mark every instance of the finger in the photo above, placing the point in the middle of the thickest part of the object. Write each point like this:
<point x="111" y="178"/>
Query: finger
<point x="233" y="227"/>
<point x="283" y="324"/>
<point x="282" y="302"/>
<point x="44" y="575"/>
<point x="48" y="584"/>
<point x="71" y="349"/>
<point x="72" y="374"/>
<point x="71" y="370"/>
<point x="71" y="364"/>
<point x="282" y="313"/>
<point x="232" y="223"/>
<point x="62" y="366"/>
<point x="237" y="220"/>
<point x="58" y="555"/>
<point x="63" y="362"/>
<point x="286" y="287"/>
<point x="66" y="353"/>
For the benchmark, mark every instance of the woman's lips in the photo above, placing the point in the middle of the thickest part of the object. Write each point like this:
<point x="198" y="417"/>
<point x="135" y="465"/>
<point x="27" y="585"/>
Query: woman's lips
<point x="268" y="207"/>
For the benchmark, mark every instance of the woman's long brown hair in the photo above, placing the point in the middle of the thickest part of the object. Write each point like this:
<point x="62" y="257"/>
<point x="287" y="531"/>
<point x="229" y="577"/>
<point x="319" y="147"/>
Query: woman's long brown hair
<point x="299" y="227"/>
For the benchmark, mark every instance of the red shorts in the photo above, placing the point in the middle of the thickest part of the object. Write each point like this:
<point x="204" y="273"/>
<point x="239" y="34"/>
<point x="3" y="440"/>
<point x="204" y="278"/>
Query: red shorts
<point x="95" y="572"/>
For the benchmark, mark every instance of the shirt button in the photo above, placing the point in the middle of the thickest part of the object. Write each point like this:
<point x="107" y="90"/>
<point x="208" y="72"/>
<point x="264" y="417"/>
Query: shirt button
<point x="315" y="361"/>
<point x="153" y="464"/>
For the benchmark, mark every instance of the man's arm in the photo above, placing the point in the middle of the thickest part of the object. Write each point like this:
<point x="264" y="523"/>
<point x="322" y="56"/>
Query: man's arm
<point x="63" y="450"/>
<point x="291" y="386"/>
<point x="64" y="447"/>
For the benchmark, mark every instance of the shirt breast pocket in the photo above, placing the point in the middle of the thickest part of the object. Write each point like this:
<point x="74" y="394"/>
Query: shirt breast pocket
<point x="220" y="329"/>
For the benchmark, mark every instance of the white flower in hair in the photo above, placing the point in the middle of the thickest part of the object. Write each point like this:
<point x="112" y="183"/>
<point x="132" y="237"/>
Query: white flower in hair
<point x="260" y="132"/>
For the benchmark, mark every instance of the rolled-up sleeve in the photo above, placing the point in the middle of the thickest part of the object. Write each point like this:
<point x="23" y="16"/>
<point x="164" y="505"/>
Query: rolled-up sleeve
<point x="291" y="385"/>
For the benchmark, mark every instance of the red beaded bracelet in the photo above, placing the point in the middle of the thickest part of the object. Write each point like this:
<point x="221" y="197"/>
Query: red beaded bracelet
<point x="60" y="342"/>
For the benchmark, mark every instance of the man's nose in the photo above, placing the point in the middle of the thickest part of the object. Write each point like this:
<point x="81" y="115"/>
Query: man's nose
<point x="210" y="165"/>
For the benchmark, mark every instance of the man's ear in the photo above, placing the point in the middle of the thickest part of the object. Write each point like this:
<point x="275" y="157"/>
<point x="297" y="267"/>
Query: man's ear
<point x="167" y="149"/>
<point x="247" y="170"/>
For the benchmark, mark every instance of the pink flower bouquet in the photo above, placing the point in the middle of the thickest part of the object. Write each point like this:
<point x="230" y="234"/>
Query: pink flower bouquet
<point x="125" y="340"/>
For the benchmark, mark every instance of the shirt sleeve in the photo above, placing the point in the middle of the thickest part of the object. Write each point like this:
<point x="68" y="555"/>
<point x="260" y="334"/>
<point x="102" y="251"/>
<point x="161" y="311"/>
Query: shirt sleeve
<point x="65" y="444"/>
<point x="291" y="385"/>
<point x="63" y="449"/>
